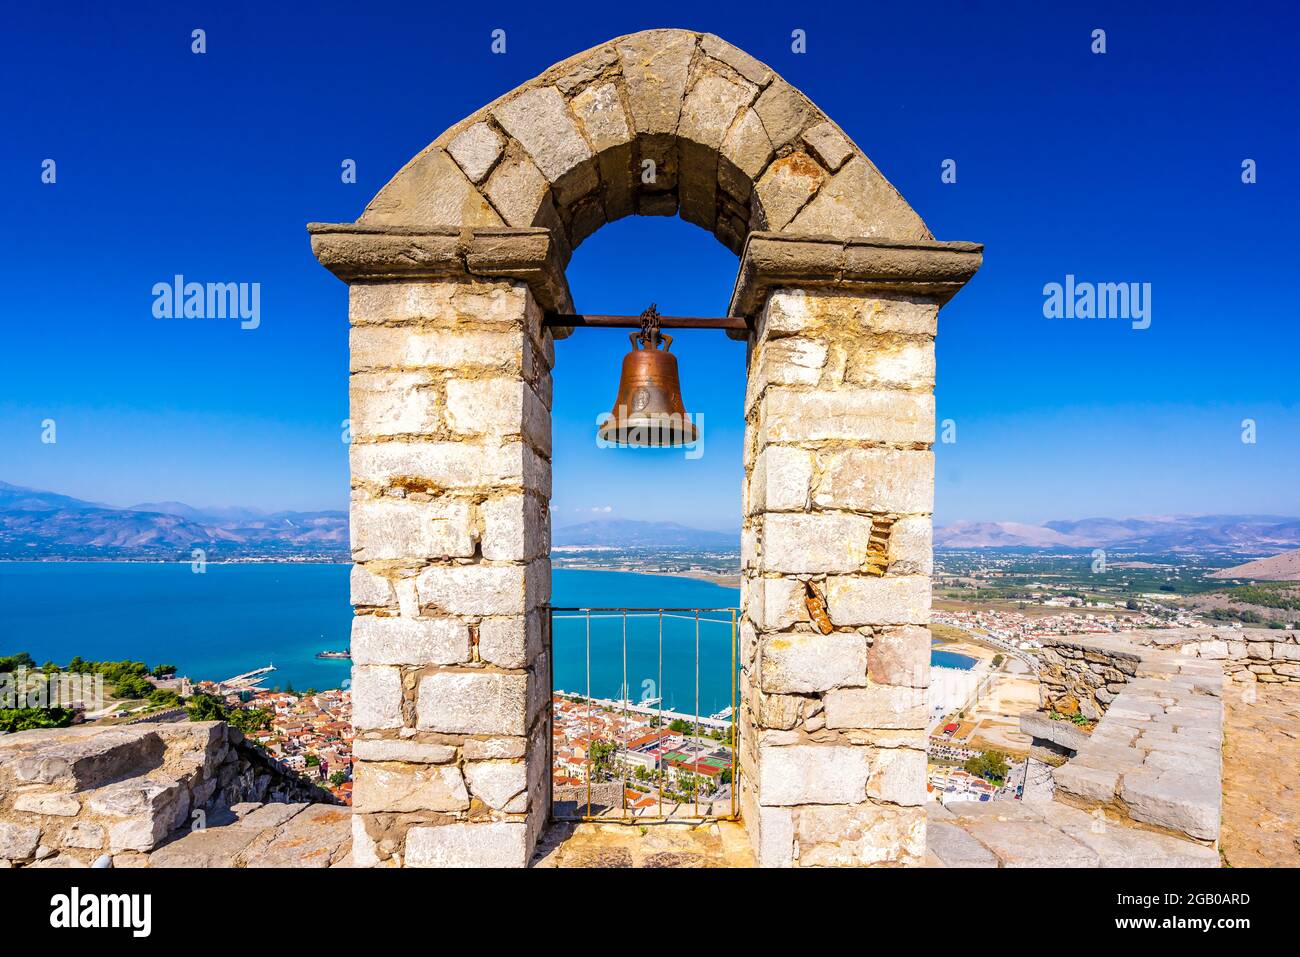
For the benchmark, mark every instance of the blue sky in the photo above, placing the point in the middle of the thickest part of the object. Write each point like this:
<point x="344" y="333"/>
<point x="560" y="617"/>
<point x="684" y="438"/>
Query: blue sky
<point x="1117" y="167"/>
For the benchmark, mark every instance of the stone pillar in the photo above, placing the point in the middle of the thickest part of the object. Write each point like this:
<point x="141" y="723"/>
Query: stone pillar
<point x="451" y="440"/>
<point x="836" y="545"/>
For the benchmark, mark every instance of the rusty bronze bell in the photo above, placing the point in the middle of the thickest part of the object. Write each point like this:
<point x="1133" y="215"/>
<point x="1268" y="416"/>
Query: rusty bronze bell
<point x="648" y="412"/>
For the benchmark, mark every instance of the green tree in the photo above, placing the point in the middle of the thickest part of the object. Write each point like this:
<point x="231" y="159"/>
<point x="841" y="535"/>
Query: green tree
<point x="990" y="765"/>
<point x="131" y="686"/>
<point x="206" y="707"/>
<point x="14" y="662"/>
<point x="164" y="671"/>
<point x="27" y="719"/>
<point x="164" y="697"/>
<point x="338" y="778"/>
<point x="313" y="761"/>
<point x="602" y="759"/>
<point x="249" y="719"/>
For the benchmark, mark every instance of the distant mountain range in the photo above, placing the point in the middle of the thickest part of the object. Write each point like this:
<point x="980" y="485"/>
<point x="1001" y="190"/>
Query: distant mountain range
<point x="628" y="533"/>
<point x="1228" y="533"/>
<point x="37" y="524"/>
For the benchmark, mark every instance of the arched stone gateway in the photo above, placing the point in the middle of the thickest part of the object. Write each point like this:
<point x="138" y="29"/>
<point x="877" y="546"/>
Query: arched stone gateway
<point x="452" y="267"/>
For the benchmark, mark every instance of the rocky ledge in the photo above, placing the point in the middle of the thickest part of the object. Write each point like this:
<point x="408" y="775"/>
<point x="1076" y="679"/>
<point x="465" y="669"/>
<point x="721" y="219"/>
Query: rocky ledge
<point x="120" y="794"/>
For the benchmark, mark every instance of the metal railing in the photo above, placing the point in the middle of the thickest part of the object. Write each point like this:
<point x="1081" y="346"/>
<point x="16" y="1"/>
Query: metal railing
<point x="667" y="772"/>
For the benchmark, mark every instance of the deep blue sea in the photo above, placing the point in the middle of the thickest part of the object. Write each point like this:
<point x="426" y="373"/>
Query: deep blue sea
<point x="235" y="618"/>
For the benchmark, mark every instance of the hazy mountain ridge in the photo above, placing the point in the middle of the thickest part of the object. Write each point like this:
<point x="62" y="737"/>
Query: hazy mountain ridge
<point x="1278" y="568"/>
<point x="1246" y="533"/>
<point x="35" y="523"/>
<point x="630" y="533"/>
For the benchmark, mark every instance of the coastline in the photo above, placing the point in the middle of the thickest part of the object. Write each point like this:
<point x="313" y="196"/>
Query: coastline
<point x="728" y="580"/>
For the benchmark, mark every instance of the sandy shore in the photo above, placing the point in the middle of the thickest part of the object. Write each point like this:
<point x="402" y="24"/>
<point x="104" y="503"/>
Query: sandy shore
<point x="726" y="581"/>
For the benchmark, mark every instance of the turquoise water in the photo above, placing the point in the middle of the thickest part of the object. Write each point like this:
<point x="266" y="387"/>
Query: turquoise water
<point x="231" y="619"/>
<point x="235" y="618"/>
<point x="950" y="659"/>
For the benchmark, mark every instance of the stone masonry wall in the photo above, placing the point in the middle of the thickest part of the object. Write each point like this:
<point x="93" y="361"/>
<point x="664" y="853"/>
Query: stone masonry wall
<point x="450" y="458"/>
<point x="1270" y="655"/>
<point x="836" y="559"/>
<point x="1083" y="675"/>
<point x="123" y="790"/>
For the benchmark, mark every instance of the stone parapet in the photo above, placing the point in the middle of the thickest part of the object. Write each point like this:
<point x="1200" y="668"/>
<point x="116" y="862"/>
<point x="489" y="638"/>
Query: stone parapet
<point x="70" y="796"/>
<point x="1270" y="655"/>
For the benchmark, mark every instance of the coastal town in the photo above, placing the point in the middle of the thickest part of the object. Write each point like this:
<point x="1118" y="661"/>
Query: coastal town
<point x="309" y="734"/>
<point x="668" y="764"/>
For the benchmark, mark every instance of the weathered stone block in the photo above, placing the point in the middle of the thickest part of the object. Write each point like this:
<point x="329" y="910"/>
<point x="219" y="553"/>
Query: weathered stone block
<point x="855" y="600"/>
<point x="385" y="404"/>
<point x="433" y="190"/>
<point x="860" y="835"/>
<point x="515" y="528"/>
<point x="875" y="480"/>
<point x="1186" y="803"/>
<point x="898" y="777"/>
<point x="800" y="664"/>
<point x="409" y="347"/>
<point x="441" y="465"/>
<point x="519" y="190"/>
<point x="501" y="785"/>
<point x="828" y="144"/>
<point x="785" y="113"/>
<point x="800" y="543"/>
<point x="510" y="642"/>
<point x="496" y="844"/>
<point x="411" y="752"/>
<point x="407" y="641"/>
<point x="396" y="529"/>
<point x="473" y="702"/>
<point x="910" y="550"/>
<point x="55" y="805"/>
<point x="376" y="697"/>
<point x="876" y="707"/>
<point x="787" y="185"/>
<point x="877" y="415"/>
<point x="858" y="201"/>
<point x="370" y="590"/>
<point x="540" y="120"/>
<point x="393" y="787"/>
<point x="780" y="480"/>
<point x="473" y="589"/>
<point x="655" y="67"/>
<point x="18" y="842"/>
<point x="812" y="774"/>
<point x="476" y="150"/>
<point x="710" y="108"/>
<point x="900" y="656"/>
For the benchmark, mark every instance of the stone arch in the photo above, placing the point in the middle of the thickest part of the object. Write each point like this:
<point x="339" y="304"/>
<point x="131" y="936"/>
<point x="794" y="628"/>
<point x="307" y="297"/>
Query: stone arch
<point x="734" y="149"/>
<point x="453" y="268"/>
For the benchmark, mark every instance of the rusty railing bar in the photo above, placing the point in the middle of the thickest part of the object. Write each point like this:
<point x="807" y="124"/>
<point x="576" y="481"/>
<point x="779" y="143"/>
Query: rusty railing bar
<point x="591" y="321"/>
